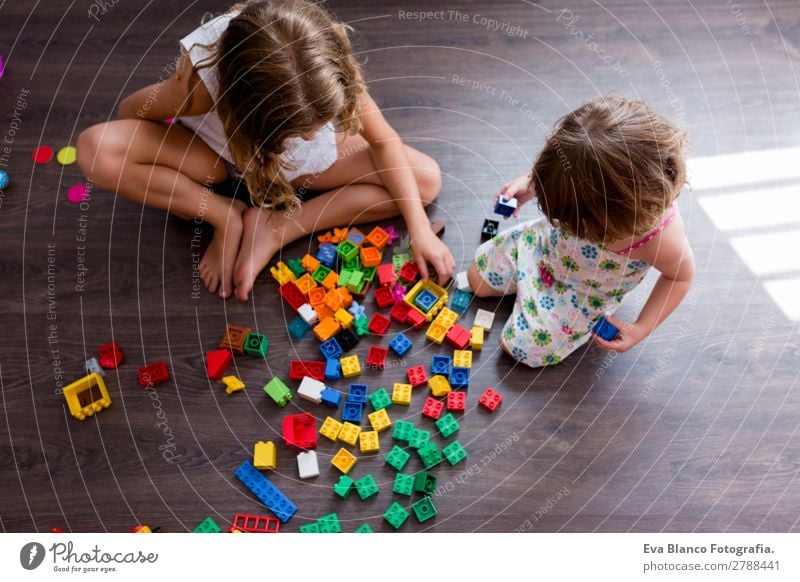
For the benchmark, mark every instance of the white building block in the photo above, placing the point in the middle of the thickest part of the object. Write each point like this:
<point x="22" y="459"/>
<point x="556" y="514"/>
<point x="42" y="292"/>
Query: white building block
<point x="484" y="319"/>
<point x="307" y="464"/>
<point x="462" y="282"/>
<point x="308" y="314"/>
<point x="311" y="389"/>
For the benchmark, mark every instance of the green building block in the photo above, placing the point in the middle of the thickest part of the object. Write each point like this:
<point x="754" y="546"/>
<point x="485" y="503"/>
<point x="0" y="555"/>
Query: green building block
<point x="403" y="484"/>
<point x="369" y="273"/>
<point x="344" y="486"/>
<point x="380" y="399"/>
<point x="448" y="425"/>
<point x="403" y="431"/>
<point x="454" y="453"/>
<point x="296" y="267"/>
<point x="320" y="273"/>
<point x="396" y="515"/>
<point x="362" y="325"/>
<point x="353" y="264"/>
<point x="355" y="282"/>
<point x="344" y="277"/>
<point x="399" y="260"/>
<point x="256" y="344"/>
<point x="310" y="528"/>
<point x="208" y="525"/>
<point x="424" y="509"/>
<point x="347" y="250"/>
<point x="329" y="524"/>
<point x="366" y="487"/>
<point x="397" y="458"/>
<point x="425" y="483"/>
<point x="419" y="438"/>
<point x="278" y="391"/>
<point x="430" y="455"/>
<point x="364" y="528"/>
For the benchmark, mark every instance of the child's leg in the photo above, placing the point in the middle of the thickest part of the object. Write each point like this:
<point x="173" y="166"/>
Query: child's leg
<point x="354" y="194"/>
<point x="479" y="287"/>
<point x="167" y="166"/>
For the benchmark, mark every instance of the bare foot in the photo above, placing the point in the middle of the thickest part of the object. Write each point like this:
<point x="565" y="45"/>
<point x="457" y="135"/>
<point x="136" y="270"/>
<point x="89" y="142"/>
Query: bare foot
<point x="263" y="233"/>
<point x="216" y="267"/>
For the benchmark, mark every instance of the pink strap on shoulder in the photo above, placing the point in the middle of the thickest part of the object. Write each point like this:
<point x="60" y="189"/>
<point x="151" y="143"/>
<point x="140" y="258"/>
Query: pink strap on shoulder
<point x="652" y="234"/>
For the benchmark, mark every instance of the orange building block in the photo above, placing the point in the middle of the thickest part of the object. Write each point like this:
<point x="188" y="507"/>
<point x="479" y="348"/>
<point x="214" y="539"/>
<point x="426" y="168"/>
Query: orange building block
<point x="305" y="284"/>
<point x="378" y="237"/>
<point x="309" y="263"/>
<point x="331" y="281"/>
<point x="370" y="256"/>
<point x="326" y="329"/>
<point x="316" y="296"/>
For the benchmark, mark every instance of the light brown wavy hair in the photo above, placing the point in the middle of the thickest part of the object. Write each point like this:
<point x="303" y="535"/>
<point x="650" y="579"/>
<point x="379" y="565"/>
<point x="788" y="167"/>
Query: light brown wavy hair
<point x="285" y="69"/>
<point x="610" y="170"/>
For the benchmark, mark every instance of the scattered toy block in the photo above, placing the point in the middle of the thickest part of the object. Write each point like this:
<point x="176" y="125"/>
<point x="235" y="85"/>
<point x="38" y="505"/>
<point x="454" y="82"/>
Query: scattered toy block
<point x="462" y="358"/>
<point x="448" y="425"/>
<point x="347" y="250"/>
<point x="459" y="377"/>
<point x="327" y="255"/>
<point x="604" y="329"/>
<point x="380" y="399"/>
<point x="281" y="273"/>
<point x="505" y="207"/>
<point x="92" y="366"/>
<point x="256" y="345"/>
<point x="265" y="491"/>
<point x="311" y="390"/>
<point x="366" y="487"/>
<point x="446" y="318"/>
<point x="378" y="238"/>
<point x="355" y="237"/>
<point x="316" y="297"/>
<point x="158" y="373"/>
<point x="461" y="300"/>
<point x="454" y="453"/>
<point x="319" y="275"/>
<point x="417" y="375"/>
<point x="333" y="370"/>
<point x="370" y="256"/>
<point x="338" y="298"/>
<point x="415" y="319"/>
<point x="331" y="281"/>
<point x="403" y="484"/>
<point x="278" y="391"/>
<point x="403" y="431"/>
<point x="331" y="397"/>
<point x="292" y="295"/>
<point x="331" y="428"/>
<point x="364" y="528"/>
<point x="356" y="310"/>
<point x="86" y="396"/>
<point x="296" y="267"/>
<point x="436" y="332"/>
<point x="329" y="524"/>
<point x="457" y="401"/>
<point x="441" y="365"/>
<point x="419" y="438"/>
<point x="396" y="515"/>
<point x="308" y="313"/>
<point x="401" y="394"/>
<point x="299" y="369"/>
<point x="331" y="349"/>
<point x="310" y="264"/>
<point x="426" y="289"/>
<point x="208" y="525"/>
<point x="383" y="297"/>
<point x="264" y="455"/>
<point x="110" y="355"/>
<point x="379" y="420"/>
<point x="432" y="408"/>
<point x="347" y="339"/>
<point x="398" y="292"/>
<point x="379" y="324"/>
<point x="349" y="433"/>
<point x="368" y="441"/>
<point x="425" y="300"/>
<point x="355" y="282"/>
<point x="490" y="399"/>
<point x="298" y="328"/>
<point x="484" y="319"/>
<point x="217" y="362"/>
<point x="344" y="460"/>
<point x="386" y="276"/>
<point x="232" y="384"/>
<point x="425" y="483"/>
<point x="397" y="458"/>
<point x="458" y="337"/>
<point x="424" y="509"/>
<point x="351" y="366"/>
<point x="307" y="465"/>
<point x="476" y="338"/>
<point x="362" y="326"/>
<point x="254" y="524"/>
<point x="400" y="344"/>
<point x="399" y="312"/>
<point x="376" y="357"/>
<point x="462" y="281"/>
<point x="309" y="528"/>
<point x="299" y="431"/>
<point x="439" y="386"/>
<point x="351" y="411"/>
<point x="343" y="486"/>
<point x="490" y="229"/>
<point x="326" y="329"/>
<point x="357" y="393"/>
<point x="408" y="272"/>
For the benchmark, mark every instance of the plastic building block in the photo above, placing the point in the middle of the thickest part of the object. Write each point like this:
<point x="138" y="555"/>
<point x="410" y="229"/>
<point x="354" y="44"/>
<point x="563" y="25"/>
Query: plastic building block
<point x="454" y="453"/>
<point x="232" y="384"/>
<point x="344" y="317"/>
<point x="338" y="298"/>
<point x="439" y="386"/>
<point x="308" y="313"/>
<point x="311" y="390"/>
<point x="331" y="428"/>
<point x="391" y="233"/>
<point x="110" y="355"/>
<point x="368" y="441"/>
<point x="379" y="324"/>
<point x="362" y="325"/>
<point x="458" y="337"/>
<point x="330" y="281"/>
<point x="398" y="260"/>
<point x="403" y="484"/>
<point x="436" y="332"/>
<point x="326" y="329"/>
<point x="157" y="373"/>
<point x="383" y="297"/>
<point x="364" y="528"/>
<point x="327" y="255"/>
<point x="425" y="483"/>
<point x="356" y="310"/>
<point x="419" y="438"/>
<point x="400" y="344"/>
<point x="484" y="319"/>
<point x="398" y="292"/>
<point x="386" y="276"/>
<point x="278" y="391"/>
<point x="347" y="339"/>
<point x="300" y="431"/>
<point x="448" y="425"/>
<point x="351" y="411"/>
<point x="408" y="272"/>
<point x="417" y="375"/>
<point x="490" y="229"/>
<point x="344" y="460"/>
<point x="316" y="297"/>
<point x="459" y="377"/>
<point x="423" y="288"/>
<point x="490" y="399"/>
<point x="298" y="328"/>
<point x="415" y="319"/>
<point x="86" y="396"/>
<point x="347" y="250"/>
<point x="235" y="338"/>
<point x="309" y="528"/>
<point x="476" y="338"/>
<point x="92" y="366"/>
<point x="462" y="281"/>
<point x="457" y="401"/>
<point x="397" y="458"/>
<point x="349" y="433"/>
<point x="310" y="264"/>
<point x="396" y="515"/>
<point x="401" y="394"/>
<point x="296" y="266"/>
<point x="329" y="524"/>
<point x="217" y="362"/>
<point x="461" y="300"/>
<point x="292" y="295"/>
<point x="333" y="370"/>
<point x="343" y="486"/>
<point x="376" y="357"/>
<point x="264" y="454"/>
<point x="446" y="318"/>
<point x="255" y="523"/>
<point x="256" y="345"/>
<point x="380" y="399"/>
<point x="330" y="397"/>
<point x="357" y="393"/>
<point x="370" y="256"/>
<point x="378" y="237"/>
<point x="331" y="349"/>
<point x="505" y="207"/>
<point x="379" y="420"/>
<point x="441" y="365"/>
<point x="366" y="487"/>
<point x="351" y="366"/>
<point x="604" y="329"/>
<point x="424" y="509"/>
<point x="281" y="273"/>
<point x="399" y="313"/>
<point x="432" y="408"/>
<point x="320" y="274"/>
<point x="208" y="525"/>
<point x="355" y="237"/>
<point x="425" y="300"/>
<point x="307" y="465"/>
<point x="299" y="369"/>
<point x="462" y="358"/>
<point x="266" y="492"/>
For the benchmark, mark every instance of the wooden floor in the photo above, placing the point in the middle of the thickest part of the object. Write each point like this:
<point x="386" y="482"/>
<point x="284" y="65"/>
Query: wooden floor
<point x="695" y="430"/>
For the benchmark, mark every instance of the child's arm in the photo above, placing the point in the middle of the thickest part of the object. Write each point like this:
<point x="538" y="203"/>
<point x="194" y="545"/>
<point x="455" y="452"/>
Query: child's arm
<point x="669" y="253"/>
<point x="391" y="161"/>
<point x="182" y="94"/>
<point x="520" y="188"/>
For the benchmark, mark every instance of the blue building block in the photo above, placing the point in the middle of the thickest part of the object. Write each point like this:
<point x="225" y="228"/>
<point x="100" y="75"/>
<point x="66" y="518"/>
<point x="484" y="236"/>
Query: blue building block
<point x="459" y="377"/>
<point x="505" y="207"/>
<point x="351" y="412"/>
<point x="461" y="301"/>
<point x="605" y="329"/>
<point x="357" y="393"/>
<point x="425" y="300"/>
<point x="355" y="236"/>
<point x="331" y="349"/>
<point x="298" y="328"/>
<point x="441" y="365"/>
<point x="400" y="344"/>
<point x="357" y="310"/>
<point x="333" y="369"/>
<point x="331" y="397"/>
<point x="265" y="491"/>
<point x="327" y="255"/>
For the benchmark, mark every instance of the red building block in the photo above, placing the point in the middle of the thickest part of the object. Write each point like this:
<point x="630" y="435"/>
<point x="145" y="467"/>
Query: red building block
<point x="490" y="399"/>
<point x="255" y="523"/>
<point x="292" y="294"/>
<point x="408" y="272"/>
<point x="110" y="355"/>
<point x="217" y="362"/>
<point x="458" y="337"/>
<point x="415" y="319"/>
<point x="386" y="275"/>
<point x="433" y="408"/>
<point x="457" y="401"/>
<point x="399" y="312"/>
<point x="300" y="431"/>
<point x="383" y="297"/>
<point x="376" y="357"/>
<point x="153" y="374"/>
<point x="298" y="369"/>
<point x="379" y="324"/>
<point x="417" y="375"/>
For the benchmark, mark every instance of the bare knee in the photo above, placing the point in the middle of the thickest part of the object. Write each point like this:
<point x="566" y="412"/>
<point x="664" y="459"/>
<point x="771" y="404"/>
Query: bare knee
<point x="478" y="285"/>
<point x="429" y="179"/>
<point x="98" y="158"/>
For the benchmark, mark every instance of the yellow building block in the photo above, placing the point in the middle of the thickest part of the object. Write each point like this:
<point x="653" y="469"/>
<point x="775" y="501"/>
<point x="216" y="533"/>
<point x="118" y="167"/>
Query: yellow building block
<point x="439" y="386"/>
<point x="447" y="317"/>
<point x="351" y="366"/>
<point x="344" y="318"/>
<point x="264" y="455"/>
<point x="309" y="263"/>
<point x="326" y="329"/>
<point x="232" y="384"/>
<point x="476" y="342"/>
<point x="401" y="394"/>
<point x="462" y="358"/>
<point x="331" y="428"/>
<point x="86" y="396"/>
<point x="282" y="273"/>
<point x="305" y="284"/>
<point x="349" y="433"/>
<point x="379" y="420"/>
<point x="331" y="281"/>
<point x="344" y="460"/>
<point x="436" y="332"/>
<point x="368" y="442"/>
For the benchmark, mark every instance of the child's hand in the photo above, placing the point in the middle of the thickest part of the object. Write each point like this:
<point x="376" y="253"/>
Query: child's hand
<point x="629" y="335"/>
<point x="520" y="188"/>
<point x="428" y="248"/>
